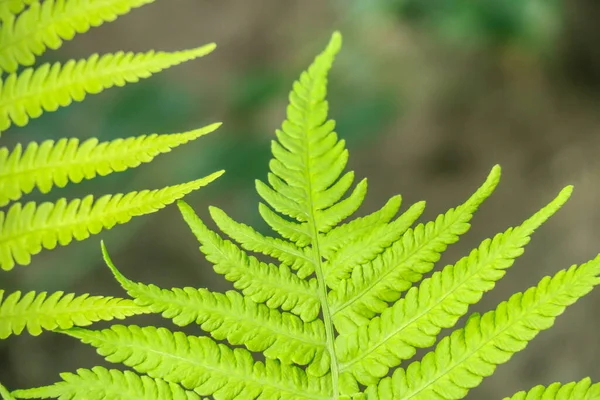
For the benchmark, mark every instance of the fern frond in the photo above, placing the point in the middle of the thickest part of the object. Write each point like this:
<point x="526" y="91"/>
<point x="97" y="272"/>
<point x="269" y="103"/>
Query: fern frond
<point x="582" y="390"/>
<point x="200" y="364"/>
<point x="38" y="311"/>
<point x="238" y="319"/>
<point x="305" y="179"/>
<point x="296" y="232"/>
<point x="372" y="285"/>
<point x="100" y="383"/>
<point x="66" y="160"/>
<point x="25" y="230"/>
<point x="10" y="8"/>
<point x="346" y="233"/>
<point x="263" y="283"/>
<point x="372" y="243"/>
<point x="47" y="24"/>
<point x="33" y="91"/>
<point x="461" y="361"/>
<point x="415" y="320"/>
<point x="288" y="253"/>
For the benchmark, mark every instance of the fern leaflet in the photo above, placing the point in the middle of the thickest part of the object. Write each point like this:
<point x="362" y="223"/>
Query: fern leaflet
<point x="460" y="361"/>
<point x="25" y="230"/>
<point x="582" y="390"/>
<point x="100" y="383"/>
<point x="31" y="92"/>
<point x="38" y="311"/>
<point x="199" y="363"/>
<point x="66" y="160"/>
<point x="47" y="24"/>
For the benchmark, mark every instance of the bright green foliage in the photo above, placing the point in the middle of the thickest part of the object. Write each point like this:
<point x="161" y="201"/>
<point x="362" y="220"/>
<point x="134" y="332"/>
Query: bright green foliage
<point x="37" y="311"/>
<point x="66" y="160"/>
<point x="200" y="363"/>
<point x="25" y="229"/>
<point x="100" y="383"/>
<point x="48" y="23"/>
<point x="10" y="8"/>
<point x="27" y="28"/>
<point x="339" y="305"/>
<point x="582" y="390"/>
<point x="437" y="303"/>
<point x="29" y="93"/>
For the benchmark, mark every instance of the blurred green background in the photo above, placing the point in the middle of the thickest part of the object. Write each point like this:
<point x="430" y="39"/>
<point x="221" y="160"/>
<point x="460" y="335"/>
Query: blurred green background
<point x="429" y="95"/>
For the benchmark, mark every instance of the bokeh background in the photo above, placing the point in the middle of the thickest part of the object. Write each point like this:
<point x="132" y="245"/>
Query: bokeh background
<point x="429" y="95"/>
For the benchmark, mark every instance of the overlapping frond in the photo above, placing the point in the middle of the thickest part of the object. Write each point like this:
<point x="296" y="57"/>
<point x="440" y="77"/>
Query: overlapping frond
<point x="237" y="319"/>
<point x="100" y="383"/>
<point x="262" y="282"/>
<point x="67" y="160"/>
<point x="415" y="320"/>
<point x="46" y="24"/>
<point x="370" y="244"/>
<point x="461" y="361"/>
<point x="38" y="311"/>
<point x="289" y="254"/>
<point x="26" y="229"/>
<point x="200" y="364"/>
<point x="31" y="92"/>
<point x="582" y="390"/>
<point x="373" y="284"/>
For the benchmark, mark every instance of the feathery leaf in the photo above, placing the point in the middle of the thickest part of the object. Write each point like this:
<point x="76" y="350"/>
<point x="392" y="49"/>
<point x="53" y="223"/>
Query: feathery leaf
<point x="66" y="160"/>
<point x="582" y="390"/>
<point x="415" y="320"/>
<point x="31" y="92"/>
<point x="25" y="230"/>
<point x="47" y="24"/>
<point x="38" y="311"/>
<point x="372" y="285"/>
<point x="263" y="283"/>
<point x="200" y="364"/>
<point x="100" y="383"/>
<point x="236" y="318"/>
<point x="461" y="361"/>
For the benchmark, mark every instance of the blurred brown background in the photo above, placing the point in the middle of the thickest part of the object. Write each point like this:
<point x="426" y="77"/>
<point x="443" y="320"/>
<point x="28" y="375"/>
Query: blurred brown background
<point x="429" y="96"/>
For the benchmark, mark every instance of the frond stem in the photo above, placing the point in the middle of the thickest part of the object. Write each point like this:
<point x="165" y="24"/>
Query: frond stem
<point x="5" y="393"/>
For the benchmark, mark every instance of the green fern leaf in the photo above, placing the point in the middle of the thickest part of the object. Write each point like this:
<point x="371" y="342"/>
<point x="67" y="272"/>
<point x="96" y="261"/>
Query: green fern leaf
<point x="200" y="364"/>
<point x="372" y="243"/>
<point x="346" y="233"/>
<point x="582" y="390"/>
<point x="25" y="230"/>
<point x="288" y="253"/>
<point x="37" y="311"/>
<point x="238" y="319"/>
<point x="102" y="384"/>
<point x="360" y="266"/>
<point x="10" y="8"/>
<point x="372" y="285"/>
<point x="47" y="24"/>
<point x="415" y="320"/>
<point x="31" y="92"/>
<point x="57" y="163"/>
<point x="263" y="283"/>
<point x="461" y="360"/>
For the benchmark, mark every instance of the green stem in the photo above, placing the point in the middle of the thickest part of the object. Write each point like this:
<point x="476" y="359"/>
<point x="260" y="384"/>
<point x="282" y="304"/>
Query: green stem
<point x="5" y="393"/>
